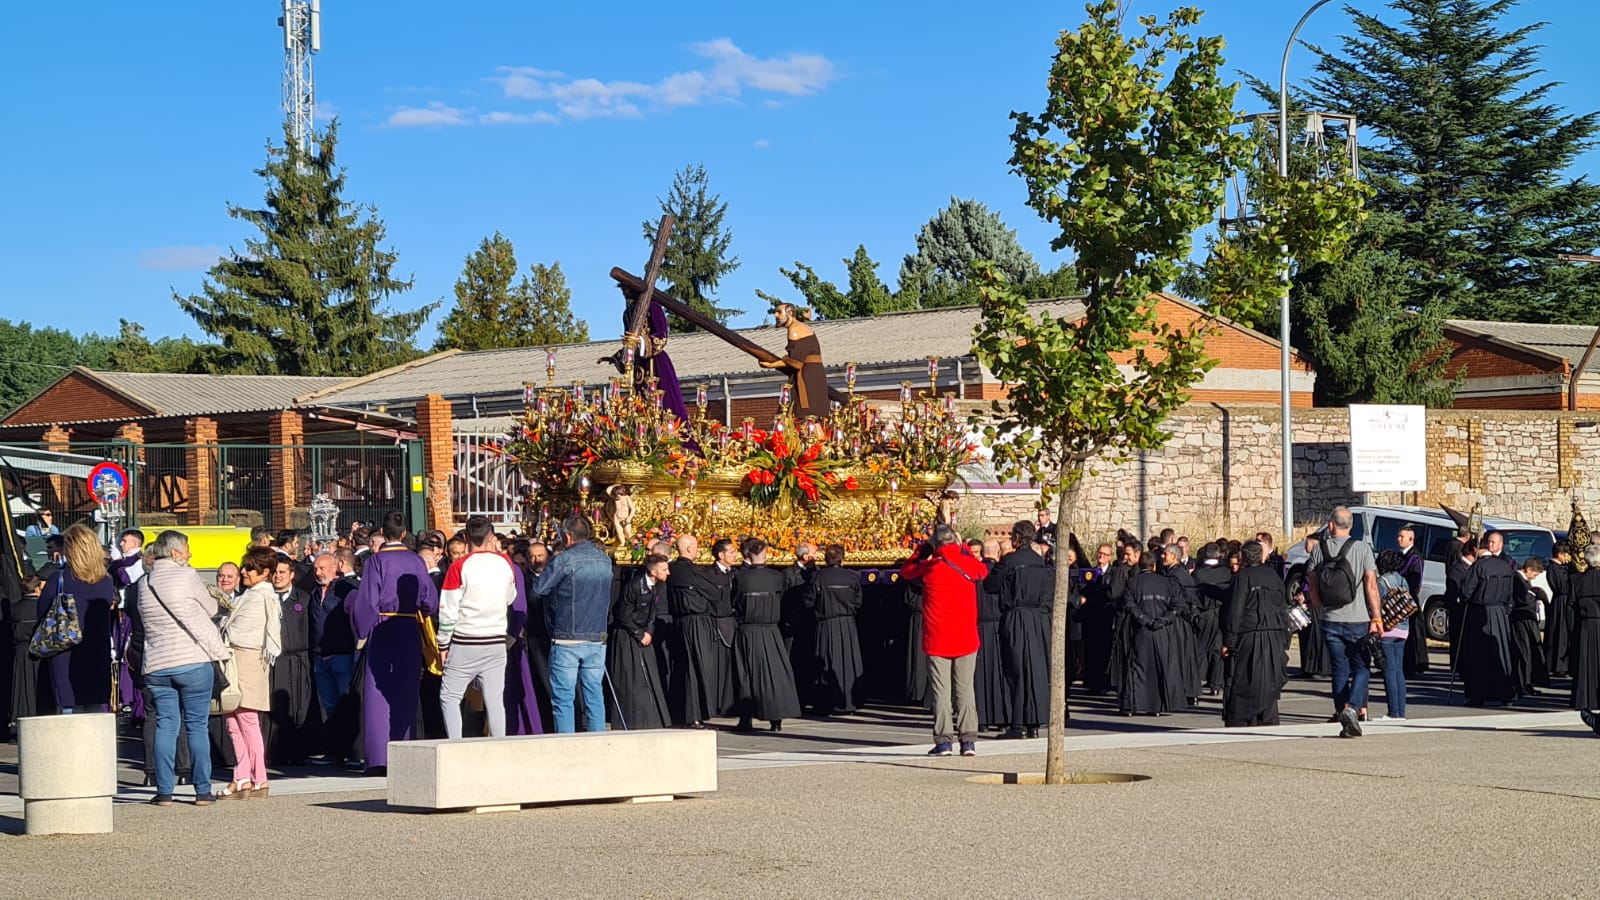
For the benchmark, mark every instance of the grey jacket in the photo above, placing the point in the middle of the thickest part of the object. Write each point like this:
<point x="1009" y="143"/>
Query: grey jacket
<point x="167" y="643"/>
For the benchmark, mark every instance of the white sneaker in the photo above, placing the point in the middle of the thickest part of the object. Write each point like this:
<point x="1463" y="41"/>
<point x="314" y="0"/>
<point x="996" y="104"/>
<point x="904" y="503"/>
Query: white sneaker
<point x="1391" y="719"/>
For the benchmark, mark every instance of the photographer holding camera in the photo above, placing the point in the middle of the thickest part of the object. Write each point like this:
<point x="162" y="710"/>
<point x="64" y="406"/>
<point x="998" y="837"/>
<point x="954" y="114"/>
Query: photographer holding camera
<point x="949" y="576"/>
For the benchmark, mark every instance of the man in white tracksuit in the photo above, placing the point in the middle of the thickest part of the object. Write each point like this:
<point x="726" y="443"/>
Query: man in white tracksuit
<point x="477" y="591"/>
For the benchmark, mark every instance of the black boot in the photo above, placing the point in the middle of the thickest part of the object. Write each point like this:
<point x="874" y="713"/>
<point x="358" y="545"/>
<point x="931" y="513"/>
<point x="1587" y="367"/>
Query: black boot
<point x="777" y="725"/>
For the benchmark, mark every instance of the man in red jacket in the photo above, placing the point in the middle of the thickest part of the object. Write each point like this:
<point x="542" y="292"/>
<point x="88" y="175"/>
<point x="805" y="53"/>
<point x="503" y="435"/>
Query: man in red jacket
<point x="949" y="577"/>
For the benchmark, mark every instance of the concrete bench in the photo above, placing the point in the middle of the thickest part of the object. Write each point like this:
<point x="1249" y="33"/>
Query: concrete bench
<point x="67" y="767"/>
<point x="496" y="774"/>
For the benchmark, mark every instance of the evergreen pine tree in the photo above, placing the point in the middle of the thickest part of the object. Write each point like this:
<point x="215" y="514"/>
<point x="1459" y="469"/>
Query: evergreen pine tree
<point x="962" y="233"/>
<point x="493" y="311"/>
<point x="697" y="257"/>
<point x="1471" y="159"/>
<point x="306" y="297"/>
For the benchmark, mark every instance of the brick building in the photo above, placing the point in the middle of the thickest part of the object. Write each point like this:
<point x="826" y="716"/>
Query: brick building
<point x="1517" y="365"/>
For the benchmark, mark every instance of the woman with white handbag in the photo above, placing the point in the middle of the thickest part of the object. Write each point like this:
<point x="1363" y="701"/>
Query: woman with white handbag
<point x="254" y="634"/>
<point x="181" y="648"/>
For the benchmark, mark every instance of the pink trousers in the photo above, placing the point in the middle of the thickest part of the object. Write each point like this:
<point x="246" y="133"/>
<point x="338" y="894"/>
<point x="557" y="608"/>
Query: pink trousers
<point x="244" y="728"/>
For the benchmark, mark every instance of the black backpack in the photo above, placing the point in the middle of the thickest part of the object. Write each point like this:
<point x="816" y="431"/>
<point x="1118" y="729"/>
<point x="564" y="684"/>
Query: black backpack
<point x="1336" y="587"/>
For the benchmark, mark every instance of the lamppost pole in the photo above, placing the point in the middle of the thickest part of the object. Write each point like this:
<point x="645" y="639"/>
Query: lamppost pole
<point x="1283" y="308"/>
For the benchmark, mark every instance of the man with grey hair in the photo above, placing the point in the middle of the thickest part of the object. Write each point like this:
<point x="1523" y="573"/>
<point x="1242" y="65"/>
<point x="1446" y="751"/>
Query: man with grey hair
<point x="949" y="576"/>
<point x="1343" y="578"/>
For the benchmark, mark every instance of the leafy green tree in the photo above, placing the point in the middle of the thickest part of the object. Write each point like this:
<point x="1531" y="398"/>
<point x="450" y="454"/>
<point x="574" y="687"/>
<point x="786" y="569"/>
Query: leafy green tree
<point x="31" y="358"/>
<point x="963" y="233"/>
<point x="306" y="297"/>
<point x="867" y="295"/>
<point x="495" y="310"/>
<point x="1472" y="159"/>
<point x="1129" y="158"/>
<point x="697" y="257"/>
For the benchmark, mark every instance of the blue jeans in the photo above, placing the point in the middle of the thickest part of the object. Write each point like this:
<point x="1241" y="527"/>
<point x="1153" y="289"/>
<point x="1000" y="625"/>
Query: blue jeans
<point x="1394" y="676"/>
<point x="332" y="674"/>
<point x="571" y="664"/>
<point x="186" y="692"/>
<point x="1351" y="674"/>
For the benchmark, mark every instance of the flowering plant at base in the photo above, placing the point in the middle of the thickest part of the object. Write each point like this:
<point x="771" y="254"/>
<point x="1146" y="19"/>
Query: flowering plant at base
<point x="785" y="465"/>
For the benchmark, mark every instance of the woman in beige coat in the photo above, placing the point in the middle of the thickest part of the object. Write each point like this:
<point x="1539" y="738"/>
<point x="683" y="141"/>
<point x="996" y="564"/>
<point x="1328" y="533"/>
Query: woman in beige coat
<point x="253" y="634"/>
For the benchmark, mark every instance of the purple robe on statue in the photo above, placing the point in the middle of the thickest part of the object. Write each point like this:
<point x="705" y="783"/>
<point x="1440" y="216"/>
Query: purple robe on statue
<point x="655" y="362"/>
<point x="522" y="701"/>
<point x="394" y="587"/>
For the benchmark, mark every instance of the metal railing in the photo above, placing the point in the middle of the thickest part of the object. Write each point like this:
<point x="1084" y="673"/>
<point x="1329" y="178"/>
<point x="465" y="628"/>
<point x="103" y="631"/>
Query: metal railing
<point x="483" y="484"/>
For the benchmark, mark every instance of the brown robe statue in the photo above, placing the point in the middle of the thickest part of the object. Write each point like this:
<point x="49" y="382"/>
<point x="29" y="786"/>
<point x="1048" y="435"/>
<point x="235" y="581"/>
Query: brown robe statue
<point x="803" y="360"/>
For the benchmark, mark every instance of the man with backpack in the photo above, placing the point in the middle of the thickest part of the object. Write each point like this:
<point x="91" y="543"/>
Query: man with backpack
<point x="1343" y="579"/>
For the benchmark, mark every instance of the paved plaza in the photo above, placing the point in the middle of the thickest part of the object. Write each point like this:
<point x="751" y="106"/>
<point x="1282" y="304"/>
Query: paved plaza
<point x="1454" y="803"/>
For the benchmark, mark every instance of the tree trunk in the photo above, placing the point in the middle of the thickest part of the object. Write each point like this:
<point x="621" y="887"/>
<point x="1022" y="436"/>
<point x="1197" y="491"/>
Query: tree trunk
<point x="1055" y="754"/>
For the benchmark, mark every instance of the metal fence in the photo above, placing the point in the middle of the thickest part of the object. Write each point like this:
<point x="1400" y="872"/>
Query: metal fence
<point x="483" y="484"/>
<point x="243" y="482"/>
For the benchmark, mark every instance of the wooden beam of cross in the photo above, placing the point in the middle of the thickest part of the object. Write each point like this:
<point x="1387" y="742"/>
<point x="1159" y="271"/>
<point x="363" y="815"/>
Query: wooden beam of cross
<point x="632" y="287"/>
<point x="652" y="271"/>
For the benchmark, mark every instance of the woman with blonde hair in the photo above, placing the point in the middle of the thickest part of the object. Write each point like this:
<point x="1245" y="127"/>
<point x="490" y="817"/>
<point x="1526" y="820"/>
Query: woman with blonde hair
<point x="254" y="635"/>
<point x="81" y="676"/>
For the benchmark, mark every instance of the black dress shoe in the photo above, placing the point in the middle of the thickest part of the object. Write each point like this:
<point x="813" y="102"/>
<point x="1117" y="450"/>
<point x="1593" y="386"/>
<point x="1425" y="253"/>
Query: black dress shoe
<point x="744" y="727"/>
<point x="1033" y="732"/>
<point x="1012" y="734"/>
<point x="777" y="726"/>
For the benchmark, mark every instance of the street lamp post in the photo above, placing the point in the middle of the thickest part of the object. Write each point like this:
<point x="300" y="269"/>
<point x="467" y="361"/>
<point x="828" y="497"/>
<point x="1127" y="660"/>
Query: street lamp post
<point x="1283" y="310"/>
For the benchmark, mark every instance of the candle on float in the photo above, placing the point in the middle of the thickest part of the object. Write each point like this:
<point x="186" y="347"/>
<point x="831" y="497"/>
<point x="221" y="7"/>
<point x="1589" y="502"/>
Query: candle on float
<point x="850" y="375"/>
<point x="543" y="405"/>
<point x="692" y="482"/>
<point x="677" y="502"/>
<point x="783" y="397"/>
<point x="905" y="392"/>
<point x="577" y="392"/>
<point x="527" y="393"/>
<point x="933" y="368"/>
<point x="700" y="396"/>
<point x="777" y="426"/>
<point x="584" y="483"/>
<point x="549" y="359"/>
<point x="894" y="485"/>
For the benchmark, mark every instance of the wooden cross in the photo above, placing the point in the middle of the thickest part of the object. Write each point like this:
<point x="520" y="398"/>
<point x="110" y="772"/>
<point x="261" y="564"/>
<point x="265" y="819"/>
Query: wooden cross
<point x="644" y="292"/>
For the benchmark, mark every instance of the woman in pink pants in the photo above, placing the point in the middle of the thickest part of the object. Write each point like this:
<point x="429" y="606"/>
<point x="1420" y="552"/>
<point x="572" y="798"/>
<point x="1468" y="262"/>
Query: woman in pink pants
<point x="254" y="636"/>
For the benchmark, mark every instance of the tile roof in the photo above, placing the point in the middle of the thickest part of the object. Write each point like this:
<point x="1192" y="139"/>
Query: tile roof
<point x="196" y="395"/>
<point x="884" y="340"/>
<point x="1565" y="341"/>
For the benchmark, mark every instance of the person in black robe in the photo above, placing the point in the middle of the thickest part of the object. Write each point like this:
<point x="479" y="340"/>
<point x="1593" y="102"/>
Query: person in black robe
<point x="1583" y="612"/>
<point x="1491" y="589"/>
<point x="639" y="698"/>
<point x="537" y="631"/>
<point x="1411" y="566"/>
<point x="1213" y="585"/>
<point x="762" y="673"/>
<point x="798" y="623"/>
<point x="697" y="596"/>
<point x="1527" y="656"/>
<point x="989" y="678"/>
<point x="1314" y="662"/>
<point x="1255" y="639"/>
<point x="1463" y="553"/>
<point x="1130" y="564"/>
<point x="916" y="667"/>
<point x="834" y="595"/>
<point x="1026" y="585"/>
<point x="1185" y="636"/>
<point x="803" y="360"/>
<point x="1098" y="615"/>
<point x="1152" y="669"/>
<point x="26" y="688"/>
<point x="1557" y="623"/>
<point x="287" y="731"/>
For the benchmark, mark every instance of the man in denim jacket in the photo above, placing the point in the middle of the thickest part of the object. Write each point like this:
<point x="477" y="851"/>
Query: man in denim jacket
<point x="576" y="588"/>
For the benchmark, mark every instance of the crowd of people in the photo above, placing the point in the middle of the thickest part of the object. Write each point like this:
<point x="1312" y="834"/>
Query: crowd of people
<point x="333" y="650"/>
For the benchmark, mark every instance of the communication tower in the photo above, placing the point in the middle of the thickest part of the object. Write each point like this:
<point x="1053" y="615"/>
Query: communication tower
<point x="302" y="37"/>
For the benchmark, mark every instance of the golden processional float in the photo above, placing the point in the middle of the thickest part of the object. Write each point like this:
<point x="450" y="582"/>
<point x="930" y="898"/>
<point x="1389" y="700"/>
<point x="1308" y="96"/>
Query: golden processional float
<point x="870" y="481"/>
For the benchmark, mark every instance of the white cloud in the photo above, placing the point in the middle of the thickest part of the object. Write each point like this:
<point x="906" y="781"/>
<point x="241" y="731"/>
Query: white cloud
<point x="324" y="111"/>
<point x="763" y="144"/>
<point x="180" y="259"/>
<point x="433" y="115"/>
<point x="510" y="118"/>
<point x="731" y="73"/>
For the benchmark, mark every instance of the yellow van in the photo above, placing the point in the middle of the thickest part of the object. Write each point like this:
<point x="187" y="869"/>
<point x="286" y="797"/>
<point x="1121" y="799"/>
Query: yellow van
<point x="212" y="545"/>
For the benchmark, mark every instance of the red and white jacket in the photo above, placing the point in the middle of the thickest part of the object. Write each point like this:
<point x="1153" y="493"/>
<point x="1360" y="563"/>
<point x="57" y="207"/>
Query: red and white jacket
<point x="478" y="590"/>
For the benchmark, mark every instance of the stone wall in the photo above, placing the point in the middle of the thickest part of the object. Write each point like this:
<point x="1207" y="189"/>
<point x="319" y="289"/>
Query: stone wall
<point x="1219" y="473"/>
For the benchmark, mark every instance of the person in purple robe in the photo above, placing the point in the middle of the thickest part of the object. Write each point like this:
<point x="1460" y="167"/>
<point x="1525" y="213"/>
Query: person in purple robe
<point x="394" y="588"/>
<point x="521" y="699"/>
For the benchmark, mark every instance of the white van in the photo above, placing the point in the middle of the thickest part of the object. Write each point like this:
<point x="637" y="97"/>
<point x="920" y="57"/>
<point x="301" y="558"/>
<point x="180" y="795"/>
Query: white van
<point x="1380" y="527"/>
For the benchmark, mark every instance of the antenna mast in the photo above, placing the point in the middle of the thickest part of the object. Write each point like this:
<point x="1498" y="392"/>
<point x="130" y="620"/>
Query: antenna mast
<point x="302" y="37"/>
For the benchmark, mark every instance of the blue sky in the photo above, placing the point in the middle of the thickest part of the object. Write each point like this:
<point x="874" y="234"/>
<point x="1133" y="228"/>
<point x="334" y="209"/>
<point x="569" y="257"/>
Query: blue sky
<point x="823" y="125"/>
